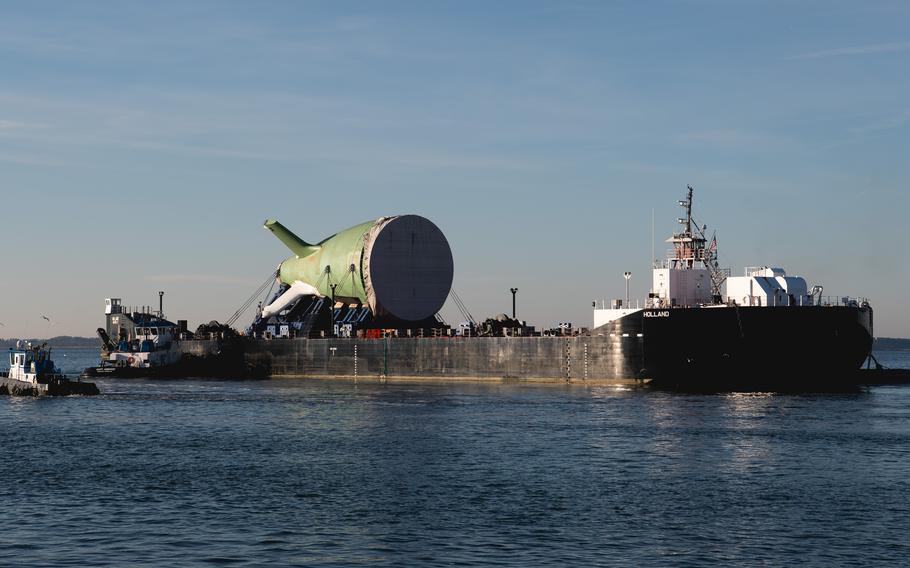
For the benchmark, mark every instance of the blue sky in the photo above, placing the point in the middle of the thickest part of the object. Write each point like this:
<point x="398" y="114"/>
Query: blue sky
<point x="143" y="144"/>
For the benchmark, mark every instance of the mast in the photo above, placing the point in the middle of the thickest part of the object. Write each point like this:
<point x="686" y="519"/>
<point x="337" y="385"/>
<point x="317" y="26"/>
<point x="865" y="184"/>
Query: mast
<point x="689" y="210"/>
<point x="691" y="248"/>
<point x="688" y="245"/>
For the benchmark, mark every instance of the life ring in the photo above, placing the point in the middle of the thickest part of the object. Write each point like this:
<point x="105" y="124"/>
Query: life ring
<point x="131" y="360"/>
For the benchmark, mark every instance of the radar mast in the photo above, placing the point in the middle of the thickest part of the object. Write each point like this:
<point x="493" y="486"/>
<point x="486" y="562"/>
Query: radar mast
<point x="691" y="247"/>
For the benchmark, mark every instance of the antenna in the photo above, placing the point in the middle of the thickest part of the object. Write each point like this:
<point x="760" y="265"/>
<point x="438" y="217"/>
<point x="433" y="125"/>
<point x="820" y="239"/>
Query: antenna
<point x="627" y="275"/>
<point x="689" y="209"/>
<point x="651" y="262"/>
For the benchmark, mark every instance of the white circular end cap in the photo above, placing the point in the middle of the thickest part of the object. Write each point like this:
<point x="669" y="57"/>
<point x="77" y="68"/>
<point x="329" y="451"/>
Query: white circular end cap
<point x="410" y="268"/>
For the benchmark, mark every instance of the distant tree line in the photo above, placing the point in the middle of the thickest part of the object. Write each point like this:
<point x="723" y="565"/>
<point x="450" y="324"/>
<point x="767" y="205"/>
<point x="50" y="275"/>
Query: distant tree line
<point x="890" y="344"/>
<point x="881" y="343"/>
<point x="59" y="341"/>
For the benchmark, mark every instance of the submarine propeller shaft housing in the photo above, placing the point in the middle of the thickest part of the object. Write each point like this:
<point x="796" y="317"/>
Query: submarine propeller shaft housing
<point x="399" y="266"/>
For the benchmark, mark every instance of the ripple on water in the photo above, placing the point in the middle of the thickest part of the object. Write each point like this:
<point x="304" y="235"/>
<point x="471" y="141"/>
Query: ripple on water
<point x="293" y="472"/>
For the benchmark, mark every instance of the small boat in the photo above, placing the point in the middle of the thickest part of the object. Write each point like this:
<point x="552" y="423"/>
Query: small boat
<point x="875" y="373"/>
<point x="137" y="343"/>
<point x="32" y="373"/>
<point x="141" y="343"/>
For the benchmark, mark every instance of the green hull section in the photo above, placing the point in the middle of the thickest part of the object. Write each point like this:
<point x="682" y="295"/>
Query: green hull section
<point x="399" y="266"/>
<point x="335" y="260"/>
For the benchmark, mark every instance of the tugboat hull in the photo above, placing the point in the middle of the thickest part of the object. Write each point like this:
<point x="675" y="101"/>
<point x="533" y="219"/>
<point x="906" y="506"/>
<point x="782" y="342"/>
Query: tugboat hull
<point x="33" y="373"/>
<point x="62" y="387"/>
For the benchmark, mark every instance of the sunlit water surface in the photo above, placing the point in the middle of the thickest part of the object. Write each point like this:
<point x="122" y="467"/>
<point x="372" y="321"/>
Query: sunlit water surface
<point x="295" y="472"/>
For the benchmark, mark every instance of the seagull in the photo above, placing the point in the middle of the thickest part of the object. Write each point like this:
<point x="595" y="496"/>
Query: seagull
<point x="47" y="318"/>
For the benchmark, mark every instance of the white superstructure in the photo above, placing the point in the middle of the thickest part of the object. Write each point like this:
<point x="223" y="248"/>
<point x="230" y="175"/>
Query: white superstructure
<point x="680" y="287"/>
<point x="691" y="277"/>
<point x="31" y="364"/>
<point x="767" y="286"/>
<point x="604" y="315"/>
<point x="32" y="373"/>
<point x="142" y="339"/>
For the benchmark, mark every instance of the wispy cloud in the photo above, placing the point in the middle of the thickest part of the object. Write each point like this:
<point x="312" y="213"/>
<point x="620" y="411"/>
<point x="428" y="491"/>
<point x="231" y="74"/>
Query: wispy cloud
<point x="895" y="121"/>
<point x="13" y="124"/>
<point x="238" y="127"/>
<point x="35" y="42"/>
<point x="200" y="279"/>
<point x="733" y="138"/>
<point x="856" y="50"/>
<point x="26" y="160"/>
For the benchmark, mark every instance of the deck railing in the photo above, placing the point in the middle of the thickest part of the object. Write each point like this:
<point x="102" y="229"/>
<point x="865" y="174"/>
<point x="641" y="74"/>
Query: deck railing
<point x="824" y="301"/>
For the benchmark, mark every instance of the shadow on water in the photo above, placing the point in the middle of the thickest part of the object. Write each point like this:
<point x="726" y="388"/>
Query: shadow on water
<point x="723" y="389"/>
<point x="779" y="384"/>
<point x="287" y="472"/>
<point x="890" y="368"/>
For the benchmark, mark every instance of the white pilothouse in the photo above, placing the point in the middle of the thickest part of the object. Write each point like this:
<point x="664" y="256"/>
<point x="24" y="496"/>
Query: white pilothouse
<point x="691" y="277"/>
<point x="28" y="364"/>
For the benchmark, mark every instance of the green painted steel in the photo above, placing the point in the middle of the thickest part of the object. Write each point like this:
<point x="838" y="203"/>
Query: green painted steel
<point x="327" y="262"/>
<point x="297" y="245"/>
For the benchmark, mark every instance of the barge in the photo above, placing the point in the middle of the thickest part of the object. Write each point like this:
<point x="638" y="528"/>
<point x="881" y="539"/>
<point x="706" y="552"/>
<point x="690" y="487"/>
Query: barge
<point x="364" y="303"/>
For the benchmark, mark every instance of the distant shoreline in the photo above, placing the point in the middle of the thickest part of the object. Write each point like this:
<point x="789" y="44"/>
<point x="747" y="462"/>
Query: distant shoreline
<point x="72" y="342"/>
<point x="891" y="344"/>
<point x="62" y="341"/>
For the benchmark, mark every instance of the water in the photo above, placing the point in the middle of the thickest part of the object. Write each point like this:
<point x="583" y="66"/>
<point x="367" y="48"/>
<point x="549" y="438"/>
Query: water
<point x="322" y="473"/>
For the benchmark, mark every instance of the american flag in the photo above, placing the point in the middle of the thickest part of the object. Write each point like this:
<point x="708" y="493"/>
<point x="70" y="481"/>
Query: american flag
<point x="713" y="246"/>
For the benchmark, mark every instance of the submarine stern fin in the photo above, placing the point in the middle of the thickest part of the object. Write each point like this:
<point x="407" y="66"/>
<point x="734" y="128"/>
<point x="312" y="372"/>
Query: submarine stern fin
<point x="297" y="245"/>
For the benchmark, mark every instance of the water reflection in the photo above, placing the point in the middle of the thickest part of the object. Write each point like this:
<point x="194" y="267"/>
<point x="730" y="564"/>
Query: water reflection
<point x="295" y="471"/>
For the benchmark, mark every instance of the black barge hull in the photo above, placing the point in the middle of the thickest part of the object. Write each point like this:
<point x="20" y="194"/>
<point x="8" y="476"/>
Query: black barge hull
<point x="720" y="346"/>
<point x="776" y="346"/>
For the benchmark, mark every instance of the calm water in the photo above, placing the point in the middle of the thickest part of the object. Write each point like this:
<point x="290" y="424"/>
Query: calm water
<point x="319" y="473"/>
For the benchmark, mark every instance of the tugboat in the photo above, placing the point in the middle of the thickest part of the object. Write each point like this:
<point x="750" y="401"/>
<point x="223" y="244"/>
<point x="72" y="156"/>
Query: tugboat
<point x="141" y="343"/>
<point x="138" y="343"/>
<point x="32" y="373"/>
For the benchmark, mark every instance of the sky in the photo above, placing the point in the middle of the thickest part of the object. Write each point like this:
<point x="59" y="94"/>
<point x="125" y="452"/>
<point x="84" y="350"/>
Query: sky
<point x="143" y="144"/>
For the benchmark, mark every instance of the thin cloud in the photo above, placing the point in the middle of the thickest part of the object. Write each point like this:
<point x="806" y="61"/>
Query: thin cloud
<point x="733" y="138"/>
<point x="856" y="50"/>
<point x="25" y="160"/>
<point x="37" y="43"/>
<point x="897" y="121"/>
<point x="165" y="126"/>
<point x="199" y="278"/>
<point x="206" y="151"/>
<point x="14" y="124"/>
